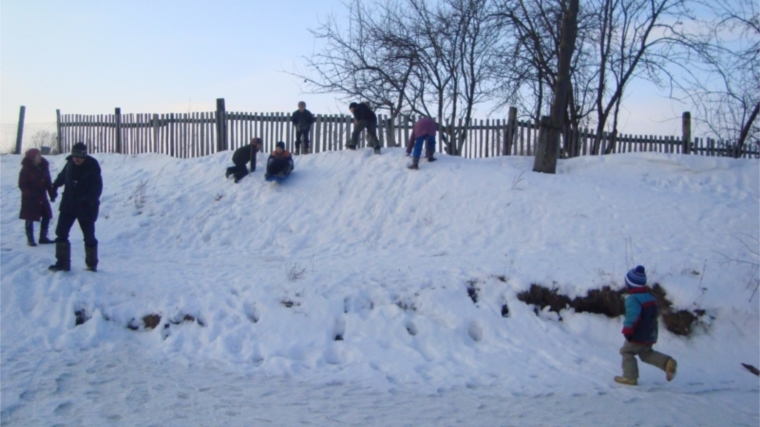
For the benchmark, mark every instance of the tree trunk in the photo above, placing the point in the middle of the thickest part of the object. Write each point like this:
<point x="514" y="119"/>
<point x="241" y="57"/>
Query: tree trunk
<point x="746" y="129"/>
<point x="548" y="148"/>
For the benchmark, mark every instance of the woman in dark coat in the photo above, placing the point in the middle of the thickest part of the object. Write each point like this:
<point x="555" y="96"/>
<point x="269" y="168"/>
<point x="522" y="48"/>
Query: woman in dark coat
<point x="34" y="181"/>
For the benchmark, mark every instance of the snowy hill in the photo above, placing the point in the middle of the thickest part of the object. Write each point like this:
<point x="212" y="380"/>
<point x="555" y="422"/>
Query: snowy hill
<point x="359" y="271"/>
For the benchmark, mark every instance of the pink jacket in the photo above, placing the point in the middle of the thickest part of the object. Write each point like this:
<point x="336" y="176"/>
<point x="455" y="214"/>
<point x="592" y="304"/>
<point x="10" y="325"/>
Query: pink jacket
<point x="424" y="126"/>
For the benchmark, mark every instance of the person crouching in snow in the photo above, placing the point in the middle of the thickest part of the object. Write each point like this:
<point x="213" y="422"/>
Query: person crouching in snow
<point x="280" y="162"/>
<point x="34" y="181"/>
<point x="423" y="132"/>
<point x="241" y="156"/>
<point x="640" y="330"/>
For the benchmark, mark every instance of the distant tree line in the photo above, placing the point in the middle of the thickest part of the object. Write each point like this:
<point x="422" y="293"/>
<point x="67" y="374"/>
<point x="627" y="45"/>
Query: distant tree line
<point x="445" y="58"/>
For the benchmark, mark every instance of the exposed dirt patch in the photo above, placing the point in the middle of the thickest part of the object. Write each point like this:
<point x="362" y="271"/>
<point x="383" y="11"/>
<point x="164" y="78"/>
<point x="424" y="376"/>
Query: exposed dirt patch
<point x="504" y="310"/>
<point x="611" y="303"/>
<point x="80" y="316"/>
<point x="472" y="291"/>
<point x="679" y="322"/>
<point x="150" y="321"/>
<point x="605" y="301"/>
<point x="541" y="296"/>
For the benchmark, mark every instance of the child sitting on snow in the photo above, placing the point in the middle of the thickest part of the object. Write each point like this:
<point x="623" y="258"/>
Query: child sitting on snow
<point x="280" y="162"/>
<point x="640" y="330"/>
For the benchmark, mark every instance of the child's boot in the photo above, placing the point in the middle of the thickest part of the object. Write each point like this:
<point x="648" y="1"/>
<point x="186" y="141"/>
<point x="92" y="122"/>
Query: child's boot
<point x="626" y="381"/>
<point x="670" y="369"/>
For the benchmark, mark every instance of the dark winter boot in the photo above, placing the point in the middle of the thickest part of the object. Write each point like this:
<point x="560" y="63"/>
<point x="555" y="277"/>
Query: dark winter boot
<point x="44" y="232"/>
<point x="29" y="227"/>
<point x="376" y="150"/>
<point x="91" y="257"/>
<point x="415" y="163"/>
<point x="62" y="257"/>
<point x="430" y="157"/>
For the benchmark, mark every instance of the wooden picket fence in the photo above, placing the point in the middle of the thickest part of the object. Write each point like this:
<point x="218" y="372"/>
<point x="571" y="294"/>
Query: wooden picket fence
<point x="200" y="134"/>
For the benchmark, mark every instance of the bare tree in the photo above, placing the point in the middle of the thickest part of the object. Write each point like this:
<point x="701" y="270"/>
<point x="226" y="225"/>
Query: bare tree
<point x="529" y="62"/>
<point x="617" y="41"/>
<point x="722" y="69"/>
<point x="372" y="60"/>
<point x="467" y="38"/>
<point x="409" y="55"/>
<point x="633" y="36"/>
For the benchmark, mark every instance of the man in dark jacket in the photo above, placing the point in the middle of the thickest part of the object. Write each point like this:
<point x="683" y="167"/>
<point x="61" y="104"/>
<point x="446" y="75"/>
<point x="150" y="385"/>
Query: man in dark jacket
<point x="241" y="156"/>
<point x="364" y="118"/>
<point x="80" y="202"/>
<point x="302" y="119"/>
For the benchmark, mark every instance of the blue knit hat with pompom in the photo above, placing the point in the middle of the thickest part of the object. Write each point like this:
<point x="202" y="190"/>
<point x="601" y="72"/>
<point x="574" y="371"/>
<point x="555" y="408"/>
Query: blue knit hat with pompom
<point x="636" y="278"/>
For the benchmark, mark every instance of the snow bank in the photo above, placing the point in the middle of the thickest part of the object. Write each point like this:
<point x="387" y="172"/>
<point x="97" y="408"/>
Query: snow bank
<point x="264" y="277"/>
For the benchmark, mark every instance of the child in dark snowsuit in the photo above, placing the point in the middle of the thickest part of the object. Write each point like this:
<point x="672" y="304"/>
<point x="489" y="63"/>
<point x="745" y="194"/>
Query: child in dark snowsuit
<point x="280" y="162"/>
<point x="34" y="182"/>
<point x="364" y="118"/>
<point x="241" y="157"/>
<point x="302" y="120"/>
<point x="640" y="330"/>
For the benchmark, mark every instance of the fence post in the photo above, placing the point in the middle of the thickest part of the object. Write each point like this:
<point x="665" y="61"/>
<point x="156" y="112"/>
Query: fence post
<point x="686" y="133"/>
<point x="511" y="131"/>
<point x="221" y="126"/>
<point x="117" y="129"/>
<point x="20" y="131"/>
<point x="547" y="149"/>
<point x="390" y="132"/>
<point x="58" y="130"/>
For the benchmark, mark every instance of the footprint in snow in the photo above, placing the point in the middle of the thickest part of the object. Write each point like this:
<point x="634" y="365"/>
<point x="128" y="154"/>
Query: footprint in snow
<point x="339" y="329"/>
<point x="475" y="331"/>
<point x="411" y="328"/>
<point x="251" y="312"/>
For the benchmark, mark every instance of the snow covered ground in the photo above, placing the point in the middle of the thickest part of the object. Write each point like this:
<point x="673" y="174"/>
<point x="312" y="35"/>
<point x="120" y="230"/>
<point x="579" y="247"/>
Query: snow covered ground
<point x="254" y="282"/>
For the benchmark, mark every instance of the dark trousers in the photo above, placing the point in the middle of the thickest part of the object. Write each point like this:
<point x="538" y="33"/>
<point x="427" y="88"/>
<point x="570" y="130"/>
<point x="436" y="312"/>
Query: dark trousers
<point x="238" y="171"/>
<point x="302" y="136"/>
<point x="277" y="166"/>
<point x="29" y="225"/>
<point x="66" y="220"/>
<point x="371" y="127"/>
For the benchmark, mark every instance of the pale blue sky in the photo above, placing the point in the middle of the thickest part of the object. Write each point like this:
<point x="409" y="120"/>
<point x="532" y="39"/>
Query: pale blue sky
<point x="162" y="56"/>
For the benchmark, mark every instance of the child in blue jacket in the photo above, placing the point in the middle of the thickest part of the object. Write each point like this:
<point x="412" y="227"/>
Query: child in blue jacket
<point x="640" y="330"/>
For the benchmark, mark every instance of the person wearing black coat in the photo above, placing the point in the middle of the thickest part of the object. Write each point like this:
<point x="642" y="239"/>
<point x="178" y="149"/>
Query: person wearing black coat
<point x="364" y="118"/>
<point x="35" y="184"/>
<point x="241" y="156"/>
<point x="80" y="202"/>
<point x="302" y="119"/>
